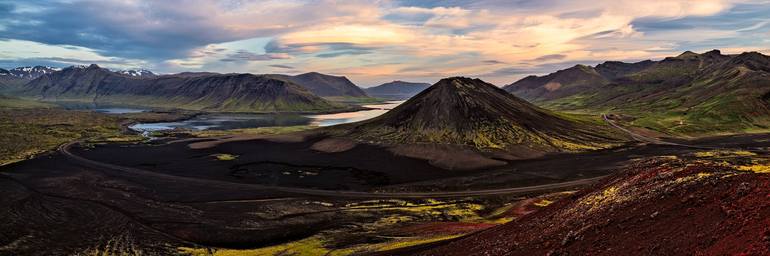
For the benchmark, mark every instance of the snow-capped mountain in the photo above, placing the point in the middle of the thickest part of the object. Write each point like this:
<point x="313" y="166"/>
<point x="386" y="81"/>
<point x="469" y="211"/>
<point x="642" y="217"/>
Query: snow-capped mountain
<point x="29" y="72"/>
<point x="136" y="72"/>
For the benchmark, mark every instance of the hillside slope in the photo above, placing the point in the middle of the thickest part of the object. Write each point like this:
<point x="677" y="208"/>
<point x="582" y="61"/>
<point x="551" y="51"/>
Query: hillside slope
<point x="324" y="85"/>
<point x="688" y="94"/>
<point x="560" y="84"/>
<point x="655" y="207"/>
<point x="396" y="90"/>
<point x="21" y="75"/>
<point x="464" y="111"/>
<point x="210" y="92"/>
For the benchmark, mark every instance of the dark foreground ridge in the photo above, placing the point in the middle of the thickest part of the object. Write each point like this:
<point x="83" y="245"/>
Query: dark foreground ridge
<point x="656" y="207"/>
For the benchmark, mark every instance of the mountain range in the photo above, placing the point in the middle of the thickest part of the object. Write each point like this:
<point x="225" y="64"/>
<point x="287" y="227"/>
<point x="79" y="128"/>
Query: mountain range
<point x="324" y="85"/>
<point x="96" y="84"/>
<point x="471" y="112"/>
<point x="137" y="73"/>
<point x="396" y="90"/>
<point x="205" y="91"/>
<point x="21" y="75"/>
<point x="690" y="93"/>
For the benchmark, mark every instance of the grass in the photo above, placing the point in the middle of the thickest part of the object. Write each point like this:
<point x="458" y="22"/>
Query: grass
<point x="189" y="104"/>
<point x="17" y="103"/>
<point x="27" y="129"/>
<point x="724" y="153"/>
<point x="710" y="104"/>
<point x="28" y="132"/>
<point x="315" y="246"/>
<point x="225" y="157"/>
<point x="393" y="214"/>
<point x="755" y="168"/>
<point x="253" y="131"/>
<point x="543" y="203"/>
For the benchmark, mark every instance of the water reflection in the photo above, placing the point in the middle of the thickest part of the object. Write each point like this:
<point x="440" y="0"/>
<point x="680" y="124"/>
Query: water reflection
<point x="241" y="121"/>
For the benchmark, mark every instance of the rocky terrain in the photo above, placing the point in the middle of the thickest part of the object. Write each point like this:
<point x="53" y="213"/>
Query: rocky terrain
<point x="708" y="203"/>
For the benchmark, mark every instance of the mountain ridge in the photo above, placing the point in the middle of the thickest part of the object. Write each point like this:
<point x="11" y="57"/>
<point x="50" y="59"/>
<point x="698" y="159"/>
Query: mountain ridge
<point x="397" y="90"/>
<point x="687" y="94"/>
<point x="324" y="85"/>
<point x="211" y="92"/>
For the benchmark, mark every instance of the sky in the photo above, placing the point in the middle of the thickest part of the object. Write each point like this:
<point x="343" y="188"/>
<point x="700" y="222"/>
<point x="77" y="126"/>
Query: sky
<point x="373" y="42"/>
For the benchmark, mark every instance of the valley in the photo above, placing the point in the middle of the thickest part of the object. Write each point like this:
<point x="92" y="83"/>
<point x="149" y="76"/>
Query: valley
<point x="178" y="196"/>
<point x="451" y="165"/>
<point x="304" y="128"/>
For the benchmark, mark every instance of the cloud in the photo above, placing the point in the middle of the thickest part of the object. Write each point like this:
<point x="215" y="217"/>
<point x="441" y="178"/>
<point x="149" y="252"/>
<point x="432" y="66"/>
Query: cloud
<point x="250" y="56"/>
<point x="535" y="70"/>
<point x="161" y="29"/>
<point x="754" y="27"/>
<point x="550" y="57"/>
<point x="376" y="41"/>
<point x="341" y="53"/>
<point x="281" y="66"/>
<point x="492" y="62"/>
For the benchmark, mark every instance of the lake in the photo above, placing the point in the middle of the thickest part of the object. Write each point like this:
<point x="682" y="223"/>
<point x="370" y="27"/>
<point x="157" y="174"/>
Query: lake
<point x="241" y="121"/>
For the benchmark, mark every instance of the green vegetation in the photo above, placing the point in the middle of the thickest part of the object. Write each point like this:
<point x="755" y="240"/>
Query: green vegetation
<point x="394" y="215"/>
<point x="315" y="246"/>
<point x="688" y="95"/>
<point x="225" y="157"/>
<point x="28" y="128"/>
<point x="182" y="103"/>
<point x="27" y="132"/>
<point x="544" y="203"/>
<point x="251" y="131"/>
<point x="11" y="102"/>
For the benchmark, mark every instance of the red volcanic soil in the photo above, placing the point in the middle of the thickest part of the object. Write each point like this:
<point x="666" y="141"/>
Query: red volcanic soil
<point x="656" y="207"/>
<point x="443" y="228"/>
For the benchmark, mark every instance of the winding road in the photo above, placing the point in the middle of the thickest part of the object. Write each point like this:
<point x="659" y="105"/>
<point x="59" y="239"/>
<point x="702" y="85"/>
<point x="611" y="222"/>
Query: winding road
<point x="65" y="150"/>
<point x="647" y="139"/>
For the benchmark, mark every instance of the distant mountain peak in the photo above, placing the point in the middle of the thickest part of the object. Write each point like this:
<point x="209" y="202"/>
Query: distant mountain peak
<point x="136" y="72"/>
<point x="751" y="55"/>
<point x="460" y="83"/>
<point x="687" y="54"/>
<point x="396" y="90"/>
<point x="93" y="66"/>
<point x="29" y="72"/>
<point x="713" y="52"/>
<point x="77" y="67"/>
<point x="325" y="85"/>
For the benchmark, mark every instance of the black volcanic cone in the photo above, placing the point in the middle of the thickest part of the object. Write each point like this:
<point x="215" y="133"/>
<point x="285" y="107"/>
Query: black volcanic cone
<point x="472" y="112"/>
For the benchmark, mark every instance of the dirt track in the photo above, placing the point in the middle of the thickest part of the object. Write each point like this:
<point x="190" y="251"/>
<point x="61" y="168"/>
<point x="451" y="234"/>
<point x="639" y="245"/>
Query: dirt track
<point x="64" y="149"/>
